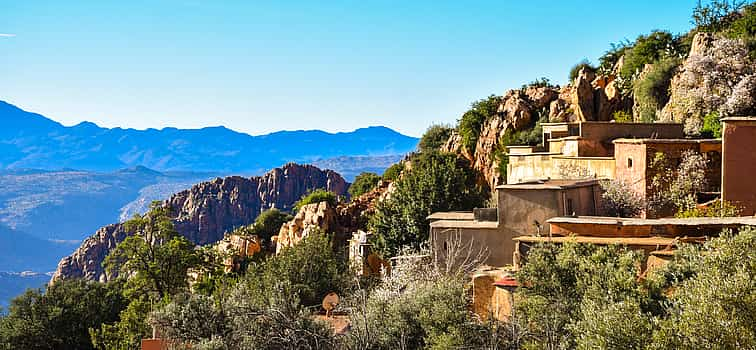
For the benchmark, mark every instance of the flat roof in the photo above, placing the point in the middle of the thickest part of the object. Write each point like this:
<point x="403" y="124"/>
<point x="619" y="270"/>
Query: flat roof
<point x="739" y="119"/>
<point x="603" y="220"/>
<point x="605" y="122"/>
<point x="464" y="224"/>
<point x="673" y="141"/>
<point x="452" y="215"/>
<point x="642" y="241"/>
<point x="549" y="184"/>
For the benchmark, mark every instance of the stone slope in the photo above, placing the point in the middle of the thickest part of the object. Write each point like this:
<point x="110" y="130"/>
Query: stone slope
<point x="205" y="212"/>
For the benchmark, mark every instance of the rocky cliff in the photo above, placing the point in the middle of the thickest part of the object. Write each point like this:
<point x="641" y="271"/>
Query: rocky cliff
<point x="342" y="220"/>
<point x="206" y="211"/>
<point x="589" y="97"/>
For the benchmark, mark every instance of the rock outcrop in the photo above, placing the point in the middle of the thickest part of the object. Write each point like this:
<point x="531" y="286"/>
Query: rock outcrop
<point x="342" y="220"/>
<point x="588" y="98"/>
<point x="205" y="212"/>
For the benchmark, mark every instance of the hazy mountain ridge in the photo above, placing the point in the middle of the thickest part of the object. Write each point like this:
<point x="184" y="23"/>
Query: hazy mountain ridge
<point x="30" y="140"/>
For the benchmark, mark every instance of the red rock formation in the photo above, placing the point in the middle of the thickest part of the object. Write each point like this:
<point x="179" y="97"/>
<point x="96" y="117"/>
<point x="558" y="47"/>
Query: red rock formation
<point x="343" y="220"/>
<point x="205" y="212"/>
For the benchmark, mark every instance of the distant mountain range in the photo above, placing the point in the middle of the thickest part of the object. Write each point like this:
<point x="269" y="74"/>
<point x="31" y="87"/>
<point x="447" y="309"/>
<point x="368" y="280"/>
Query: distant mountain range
<point x="30" y="140"/>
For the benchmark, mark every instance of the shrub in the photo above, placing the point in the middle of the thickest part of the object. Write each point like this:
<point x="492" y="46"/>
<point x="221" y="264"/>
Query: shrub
<point x="712" y="308"/>
<point x="316" y="196"/>
<point x="620" y="200"/>
<point x="268" y="308"/>
<point x="712" y="127"/>
<point x="575" y="70"/>
<point x="651" y="89"/>
<point x="266" y="225"/>
<point x="435" y="182"/>
<point x="60" y="317"/>
<point x="434" y="137"/>
<point x="472" y="121"/>
<point x="717" y="15"/>
<point x="648" y="49"/>
<point x="392" y="173"/>
<point x="584" y="296"/>
<point x="717" y="209"/>
<point x="622" y="117"/>
<point x="420" y="307"/>
<point x="363" y="183"/>
<point x="674" y="188"/>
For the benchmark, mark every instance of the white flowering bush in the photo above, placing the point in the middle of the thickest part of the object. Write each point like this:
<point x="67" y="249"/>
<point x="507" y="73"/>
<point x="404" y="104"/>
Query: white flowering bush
<point x="718" y="77"/>
<point x="620" y="200"/>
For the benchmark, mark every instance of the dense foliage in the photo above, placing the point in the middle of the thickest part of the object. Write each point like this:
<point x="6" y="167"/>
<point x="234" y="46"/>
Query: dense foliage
<point x="651" y="89"/>
<point x="586" y="297"/>
<point x="392" y="173"/>
<point x="434" y="137"/>
<point x="363" y="183"/>
<point x="60" y="317"/>
<point x="434" y="182"/>
<point x="154" y="262"/>
<point x="575" y="70"/>
<point x="472" y="121"/>
<point x="317" y="196"/>
<point x="268" y="308"/>
<point x="266" y="225"/>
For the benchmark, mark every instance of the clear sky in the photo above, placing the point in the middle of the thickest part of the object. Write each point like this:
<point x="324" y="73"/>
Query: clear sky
<point x="262" y="66"/>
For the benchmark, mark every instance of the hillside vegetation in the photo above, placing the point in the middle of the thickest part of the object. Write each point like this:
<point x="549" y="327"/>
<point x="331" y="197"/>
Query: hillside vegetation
<point x="571" y="296"/>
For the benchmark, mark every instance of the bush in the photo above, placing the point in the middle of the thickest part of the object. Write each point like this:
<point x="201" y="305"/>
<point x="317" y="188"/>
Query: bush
<point x="472" y="121"/>
<point x="435" y="182"/>
<point x="60" y="317"/>
<point x="717" y="209"/>
<point x="575" y="70"/>
<point x="316" y="196"/>
<point x="620" y="200"/>
<point x="434" y="137"/>
<point x="584" y="296"/>
<point x="712" y="308"/>
<point x="267" y="309"/>
<point x="651" y="89"/>
<point x="622" y="117"/>
<point x="716" y="16"/>
<point x="609" y="59"/>
<point x="267" y="225"/>
<point x="712" y="127"/>
<point x="648" y="49"/>
<point x="363" y="183"/>
<point x="420" y="307"/>
<point x="392" y="173"/>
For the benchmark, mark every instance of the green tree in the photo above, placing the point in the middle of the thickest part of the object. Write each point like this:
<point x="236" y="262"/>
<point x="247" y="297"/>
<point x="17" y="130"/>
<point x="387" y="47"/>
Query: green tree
<point x="717" y="15"/>
<point x="317" y="196"/>
<point x="586" y="297"/>
<point x="575" y="70"/>
<point x="648" y="49"/>
<point x="61" y="316"/>
<point x="434" y="137"/>
<point x="269" y="308"/>
<point x="363" y="183"/>
<point x="434" y="182"/>
<point x="266" y="225"/>
<point x="392" y="173"/>
<point x="651" y="89"/>
<point x="154" y="261"/>
<point x="472" y="121"/>
<point x="714" y="307"/>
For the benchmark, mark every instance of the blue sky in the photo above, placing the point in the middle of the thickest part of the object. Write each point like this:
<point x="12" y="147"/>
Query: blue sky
<point x="258" y="67"/>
